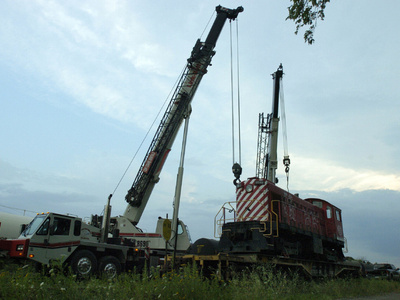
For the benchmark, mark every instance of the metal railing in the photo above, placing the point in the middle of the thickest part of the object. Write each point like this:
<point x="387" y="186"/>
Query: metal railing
<point x="271" y="217"/>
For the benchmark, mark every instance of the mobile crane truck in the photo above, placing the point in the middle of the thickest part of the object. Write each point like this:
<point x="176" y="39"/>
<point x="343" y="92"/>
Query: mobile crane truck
<point x="109" y="245"/>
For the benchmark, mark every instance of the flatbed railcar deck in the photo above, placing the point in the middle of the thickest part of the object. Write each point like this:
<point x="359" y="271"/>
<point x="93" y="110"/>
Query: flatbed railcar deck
<point x="222" y="264"/>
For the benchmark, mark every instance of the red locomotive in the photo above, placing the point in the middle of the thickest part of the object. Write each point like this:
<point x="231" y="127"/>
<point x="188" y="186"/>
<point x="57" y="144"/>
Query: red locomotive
<point x="269" y="220"/>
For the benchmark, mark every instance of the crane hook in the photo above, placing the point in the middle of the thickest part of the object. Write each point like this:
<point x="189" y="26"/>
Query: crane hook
<point x="237" y="171"/>
<point x="286" y="162"/>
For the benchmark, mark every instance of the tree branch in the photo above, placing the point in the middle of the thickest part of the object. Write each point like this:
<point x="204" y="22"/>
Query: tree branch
<point x="306" y="13"/>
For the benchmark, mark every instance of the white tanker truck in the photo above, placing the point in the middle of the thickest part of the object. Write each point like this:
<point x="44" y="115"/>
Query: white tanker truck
<point x="12" y="225"/>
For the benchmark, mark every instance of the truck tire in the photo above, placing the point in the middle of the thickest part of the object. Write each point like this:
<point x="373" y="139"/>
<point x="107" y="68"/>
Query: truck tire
<point x="109" y="267"/>
<point x="84" y="263"/>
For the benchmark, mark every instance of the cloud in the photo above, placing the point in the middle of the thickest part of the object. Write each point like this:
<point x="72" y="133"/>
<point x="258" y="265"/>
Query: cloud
<point x="16" y="198"/>
<point x="314" y="173"/>
<point x="99" y="56"/>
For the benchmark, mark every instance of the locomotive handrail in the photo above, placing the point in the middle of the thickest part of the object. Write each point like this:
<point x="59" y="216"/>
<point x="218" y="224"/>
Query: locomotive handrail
<point x="271" y="222"/>
<point x="219" y="222"/>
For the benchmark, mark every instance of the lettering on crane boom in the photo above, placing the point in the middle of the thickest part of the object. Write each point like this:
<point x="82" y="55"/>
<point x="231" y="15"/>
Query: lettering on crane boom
<point x="194" y="75"/>
<point x="149" y="162"/>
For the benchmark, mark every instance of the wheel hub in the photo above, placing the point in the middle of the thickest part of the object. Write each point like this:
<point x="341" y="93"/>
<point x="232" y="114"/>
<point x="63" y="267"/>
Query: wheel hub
<point x="84" y="266"/>
<point x="110" y="270"/>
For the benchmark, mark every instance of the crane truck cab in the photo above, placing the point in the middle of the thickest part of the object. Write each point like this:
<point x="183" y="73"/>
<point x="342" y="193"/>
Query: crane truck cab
<point x="56" y="237"/>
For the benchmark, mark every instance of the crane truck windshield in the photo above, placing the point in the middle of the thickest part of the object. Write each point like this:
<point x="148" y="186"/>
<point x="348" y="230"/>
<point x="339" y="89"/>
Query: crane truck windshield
<point x="33" y="226"/>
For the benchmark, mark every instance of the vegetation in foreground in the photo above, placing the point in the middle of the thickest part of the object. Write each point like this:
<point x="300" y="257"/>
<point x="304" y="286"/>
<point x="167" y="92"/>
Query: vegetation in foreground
<point x="24" y="283"/>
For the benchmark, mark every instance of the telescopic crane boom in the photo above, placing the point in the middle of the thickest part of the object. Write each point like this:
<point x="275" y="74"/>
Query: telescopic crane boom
<point x="177" y="110"/>
<point x="267" y="161"/>
<point x="272" y="158"/>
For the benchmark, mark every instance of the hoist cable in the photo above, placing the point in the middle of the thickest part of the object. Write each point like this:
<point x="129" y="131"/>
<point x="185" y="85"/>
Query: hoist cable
<point x="232" y="98"/>
<point x="148" y="131"/>
<point x="208" y="23"/>
<point x="287" y="182"/>
<point x="286" y="160"/>
<point x="283" y="116"/>
<point x="238" y="91"/>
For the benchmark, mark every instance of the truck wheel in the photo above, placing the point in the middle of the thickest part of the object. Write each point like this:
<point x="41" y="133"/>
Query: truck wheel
<point x="84" y="263"/>
<point x="109" y="266"/>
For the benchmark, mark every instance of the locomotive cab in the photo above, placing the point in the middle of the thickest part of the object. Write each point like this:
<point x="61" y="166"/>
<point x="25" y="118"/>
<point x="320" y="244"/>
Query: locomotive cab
<point x="333" y="218"/>
<point x="270" y="220"/>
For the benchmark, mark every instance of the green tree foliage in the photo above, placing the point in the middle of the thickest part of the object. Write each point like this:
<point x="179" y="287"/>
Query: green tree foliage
<point x="306" y="13"/>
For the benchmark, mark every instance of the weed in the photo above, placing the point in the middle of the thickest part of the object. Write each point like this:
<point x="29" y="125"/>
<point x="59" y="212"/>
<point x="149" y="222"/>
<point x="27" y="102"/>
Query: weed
<point x="262" y="282"/>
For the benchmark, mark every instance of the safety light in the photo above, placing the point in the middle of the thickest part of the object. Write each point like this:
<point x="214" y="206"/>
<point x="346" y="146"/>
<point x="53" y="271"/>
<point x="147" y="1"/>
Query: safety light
<point x="249" y="188"/>
<point x="31" y="256"/>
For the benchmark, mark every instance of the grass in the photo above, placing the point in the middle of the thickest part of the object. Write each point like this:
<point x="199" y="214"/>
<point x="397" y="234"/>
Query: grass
<point x="23" y="282"/>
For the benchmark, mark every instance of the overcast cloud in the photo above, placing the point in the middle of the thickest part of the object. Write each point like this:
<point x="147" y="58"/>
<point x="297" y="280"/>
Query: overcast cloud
<point x="82" y="82"/>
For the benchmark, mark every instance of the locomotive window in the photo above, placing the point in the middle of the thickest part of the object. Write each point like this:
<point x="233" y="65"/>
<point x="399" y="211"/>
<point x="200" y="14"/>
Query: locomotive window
<point x="337" y="215"/>
<point x="318" y="203"/>
<point x="328" y="212"/>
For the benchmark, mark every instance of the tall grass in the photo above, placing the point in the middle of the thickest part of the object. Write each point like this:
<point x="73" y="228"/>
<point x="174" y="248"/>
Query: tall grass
<point x="188" y="283"/>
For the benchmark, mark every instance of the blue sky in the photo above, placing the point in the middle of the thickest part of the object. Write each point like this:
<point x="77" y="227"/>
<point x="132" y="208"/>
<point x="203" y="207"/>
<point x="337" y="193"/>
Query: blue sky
<point x="82" y="82"/>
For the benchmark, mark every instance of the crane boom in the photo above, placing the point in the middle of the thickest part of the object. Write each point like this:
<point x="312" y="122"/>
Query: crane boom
<point x="272" y="162"/>
<point x="177" y="110"/>
<point x="267" y="144"/>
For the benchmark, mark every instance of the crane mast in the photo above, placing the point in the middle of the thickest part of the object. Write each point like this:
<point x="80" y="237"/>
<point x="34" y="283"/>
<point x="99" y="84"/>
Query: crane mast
<point x="178" y="109"/>
<point x="267" y="161"/>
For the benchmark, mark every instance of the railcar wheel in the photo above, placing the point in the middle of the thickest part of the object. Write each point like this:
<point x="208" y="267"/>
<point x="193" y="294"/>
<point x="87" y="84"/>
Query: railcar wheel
<point x="109" y="266"/>
<point x="84" y="263"/>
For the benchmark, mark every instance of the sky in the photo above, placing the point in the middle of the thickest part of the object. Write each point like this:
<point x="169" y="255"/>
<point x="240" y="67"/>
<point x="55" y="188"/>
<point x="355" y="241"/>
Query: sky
<point x="82" y="82"/>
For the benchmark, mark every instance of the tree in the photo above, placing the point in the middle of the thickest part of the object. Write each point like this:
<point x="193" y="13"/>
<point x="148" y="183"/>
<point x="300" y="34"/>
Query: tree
<point x="306" y="13"/>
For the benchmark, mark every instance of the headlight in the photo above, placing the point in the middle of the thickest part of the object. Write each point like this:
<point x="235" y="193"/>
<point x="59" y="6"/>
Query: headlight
<point x="249" y="188"/>
<point x="20" y="247"/>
